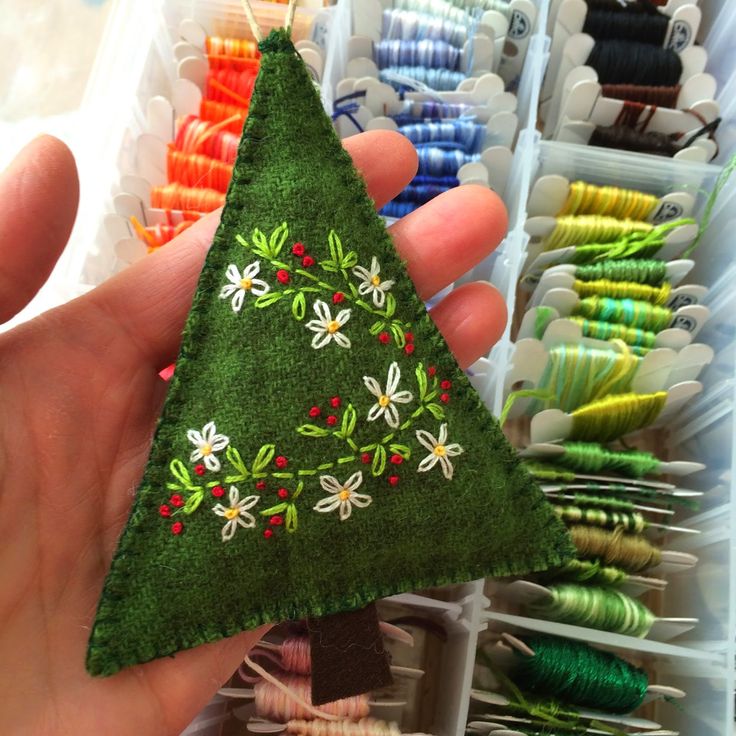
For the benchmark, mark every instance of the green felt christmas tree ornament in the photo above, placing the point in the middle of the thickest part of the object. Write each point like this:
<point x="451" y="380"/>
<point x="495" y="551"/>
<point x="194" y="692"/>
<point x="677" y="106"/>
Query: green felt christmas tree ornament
<point x="319" y="447"/>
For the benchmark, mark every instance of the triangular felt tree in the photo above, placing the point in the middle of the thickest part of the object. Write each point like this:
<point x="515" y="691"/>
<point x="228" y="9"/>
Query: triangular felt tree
<point x="319" y="447"/>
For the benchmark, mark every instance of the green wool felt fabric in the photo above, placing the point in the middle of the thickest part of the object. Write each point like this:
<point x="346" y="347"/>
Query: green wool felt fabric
<point x="281" y="483"/>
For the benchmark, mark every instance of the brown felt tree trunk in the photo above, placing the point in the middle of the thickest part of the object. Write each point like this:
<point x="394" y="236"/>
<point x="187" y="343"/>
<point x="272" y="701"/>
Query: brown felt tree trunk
<point x="348" y="656"/>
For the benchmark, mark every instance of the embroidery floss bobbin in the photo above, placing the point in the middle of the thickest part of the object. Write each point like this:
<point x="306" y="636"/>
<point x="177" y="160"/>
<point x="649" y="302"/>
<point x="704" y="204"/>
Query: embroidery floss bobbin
<point x="594" y="608"/>
<point x="591" y="458"/>
<point x="628" y="552"/>
<point x="576" y="673"/>
<point x="612" y="417"/>
<point x="276" y="704"/>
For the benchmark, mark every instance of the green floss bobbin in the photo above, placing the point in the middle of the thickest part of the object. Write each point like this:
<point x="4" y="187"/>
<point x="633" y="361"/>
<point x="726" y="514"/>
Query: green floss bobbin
<point x="576" y="374"/>
<point x="577" y="674"/>
<point x="588" y="571"/>
<point x="594" y="608"/>
<point x="639" y="271"/>
<point x="591" y="458"/>
<point x="253" y="507"/>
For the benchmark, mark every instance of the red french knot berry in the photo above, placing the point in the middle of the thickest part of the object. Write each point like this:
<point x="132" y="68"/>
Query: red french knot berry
<point x="365" y="458"/>
<point x="177" y="527"/>
<point x="335" y="402"/>
<point x="431" y="371"/>
<point x="176" y="500"/>
<point x="268" y="533"/>
<point x="281" y="461"/>
<point x="446" y="384"/>
<point x="331" y="420"/>
<point x="298" y="249"/>
<point x="277" y="520"/>
<point x="314" y="412"/>
<point x="338" y="297"/>
<point x="164" y="510"/>
<point x="218" y="491"/>
<point x="393" y="480"/>
<point x="409" y="336"/>
<point x="282" y="276"/>
<point x="199" y="469"/>
<point x="307" y="261"/>
<point x="444" y="398"/>
<point x="397" y="459"/>
<point x="409" y="349"/>
<point x="384" y="338"/>
<point x="283" y="493"/>
<point x="261" y="485"/>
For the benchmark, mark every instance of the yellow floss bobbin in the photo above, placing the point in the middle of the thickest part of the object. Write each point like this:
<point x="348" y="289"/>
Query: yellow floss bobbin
<point x="589" y="199"/>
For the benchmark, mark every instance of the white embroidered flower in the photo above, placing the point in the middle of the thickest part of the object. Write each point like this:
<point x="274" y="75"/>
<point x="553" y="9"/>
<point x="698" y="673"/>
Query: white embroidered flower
<point x="327" y="328"/>
<point x="236" y="513"/>
<point x="240" y="284"/>
<point x="207" y="442"/>
<point x="372" y="283"/>
<point x="439" y="452"/>
<point x="342" y="495"/>
<point x="387" y="400"/>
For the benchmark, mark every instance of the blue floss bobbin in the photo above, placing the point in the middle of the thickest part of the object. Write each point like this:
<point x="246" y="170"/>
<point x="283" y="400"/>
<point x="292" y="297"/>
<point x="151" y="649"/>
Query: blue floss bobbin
<point x="469" y="136"/>
<point x="427" y="53"/>
<point x="411" y="26"/>
<point x="413" y="78"/>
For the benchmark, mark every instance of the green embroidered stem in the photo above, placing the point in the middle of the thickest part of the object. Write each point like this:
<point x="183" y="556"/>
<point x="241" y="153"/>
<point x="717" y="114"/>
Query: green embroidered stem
<point x="323" y="285"/>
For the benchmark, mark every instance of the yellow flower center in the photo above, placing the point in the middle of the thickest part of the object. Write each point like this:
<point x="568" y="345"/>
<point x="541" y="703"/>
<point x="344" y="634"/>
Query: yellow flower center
<point x="376" y="280"/>
<point x="206" y="450"/>
<point x="383" y="400"/>
<point x="344" y="494"/>
<point x="333" y="327"/>
<point x="231" y="513"/>
<point x="246" y="283"/>
<point x="440" y="451"/>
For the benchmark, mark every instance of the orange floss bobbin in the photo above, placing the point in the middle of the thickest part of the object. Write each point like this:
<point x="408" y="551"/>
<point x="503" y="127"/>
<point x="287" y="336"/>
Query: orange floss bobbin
<point x="212" y="139"/>
<point x="197" y="170"/>
<point x="177" y="197"/>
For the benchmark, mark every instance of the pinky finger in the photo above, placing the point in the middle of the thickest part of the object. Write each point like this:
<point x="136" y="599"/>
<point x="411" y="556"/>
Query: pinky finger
<point x="472" y="319"/>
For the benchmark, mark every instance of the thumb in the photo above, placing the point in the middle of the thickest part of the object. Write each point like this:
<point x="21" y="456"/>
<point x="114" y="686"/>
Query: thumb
<point x="40" y="193"/>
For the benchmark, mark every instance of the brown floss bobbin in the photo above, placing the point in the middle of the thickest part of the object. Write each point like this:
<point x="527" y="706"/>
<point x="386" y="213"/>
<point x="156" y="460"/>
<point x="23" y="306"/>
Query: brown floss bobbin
<point x="646" y="94"/>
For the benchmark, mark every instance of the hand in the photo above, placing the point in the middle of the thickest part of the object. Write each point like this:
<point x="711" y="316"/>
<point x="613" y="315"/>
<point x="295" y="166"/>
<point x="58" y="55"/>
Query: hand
<point x="80" y="398"/>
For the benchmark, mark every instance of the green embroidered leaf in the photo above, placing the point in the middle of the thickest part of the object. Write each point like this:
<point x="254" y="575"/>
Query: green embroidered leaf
<point x="402" y="450"/>
<point x="349" y="419"/>
<point x="350" y="260"/>
<point x="379" y="460"/>
<point x="354" y="290"/>
<point x="299" y="306"/>
<point x="330" y="266"/>
<point x="298" y="491"/>
<point x="266" y="300"/>
<point x="193" y="502"/>
<point x="274" y="509"/>
<point x="234" y="458"/>
<point x="436" y="411"/>
<point x="312" y="430"/>
<point x="335" y="246"/>
<point x="376" y="327"/>
<point x="180" y="472"/>
<point x="278" y="238"/>
<point x="242" y="241"/>
<point x="390" y="305"/>
<point x="398" y="334"/>
<point x="260" y="244"/>
<point x="264" y="457"/>
<point x="421" y="381"/>
<point x="291" y="518"/>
